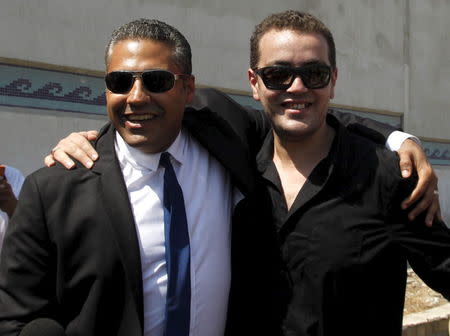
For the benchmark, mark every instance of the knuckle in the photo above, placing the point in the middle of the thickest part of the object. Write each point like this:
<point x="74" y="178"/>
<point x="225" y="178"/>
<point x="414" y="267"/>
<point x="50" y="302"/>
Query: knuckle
<point x="86" y="147"/>
<point x="405" y="161"/>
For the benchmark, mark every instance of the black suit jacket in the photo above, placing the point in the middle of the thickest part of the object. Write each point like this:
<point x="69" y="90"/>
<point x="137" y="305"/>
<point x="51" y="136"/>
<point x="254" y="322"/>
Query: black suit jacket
<point x="71" y="251"/>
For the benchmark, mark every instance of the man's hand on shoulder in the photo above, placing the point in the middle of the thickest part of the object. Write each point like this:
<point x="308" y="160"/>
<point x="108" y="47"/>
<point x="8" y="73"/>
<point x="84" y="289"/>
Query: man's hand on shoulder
<point x="74" y="146"/>
<point x="425" y="195"/>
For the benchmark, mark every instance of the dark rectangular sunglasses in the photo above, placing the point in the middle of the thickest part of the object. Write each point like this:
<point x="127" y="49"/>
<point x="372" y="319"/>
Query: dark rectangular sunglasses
<point x="155" y="81"/>
<point x="281" y="77"/>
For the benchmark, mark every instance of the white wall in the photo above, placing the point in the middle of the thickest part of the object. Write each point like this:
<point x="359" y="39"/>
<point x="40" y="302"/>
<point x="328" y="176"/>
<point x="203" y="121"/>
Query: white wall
<point x="26" y="138"/>
<point x="429" y="113"/>
<point x="392" y="55"/>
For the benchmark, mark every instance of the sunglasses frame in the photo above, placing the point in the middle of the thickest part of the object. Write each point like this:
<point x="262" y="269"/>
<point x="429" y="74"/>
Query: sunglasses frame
<point x="294" y="72"/>
<point x="139" y="74"/>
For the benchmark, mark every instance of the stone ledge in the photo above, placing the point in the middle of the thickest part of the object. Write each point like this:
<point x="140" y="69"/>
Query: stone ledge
<point x="431" y="322"/>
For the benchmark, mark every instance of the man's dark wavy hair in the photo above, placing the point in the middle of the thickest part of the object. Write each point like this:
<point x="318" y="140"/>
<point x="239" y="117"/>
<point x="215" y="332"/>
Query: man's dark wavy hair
<point x="291" y="20"/>
<point x="154" y="30"/>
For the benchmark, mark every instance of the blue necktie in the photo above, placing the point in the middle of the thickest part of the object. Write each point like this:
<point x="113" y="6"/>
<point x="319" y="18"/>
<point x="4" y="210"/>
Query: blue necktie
<point x="178" y="299"/>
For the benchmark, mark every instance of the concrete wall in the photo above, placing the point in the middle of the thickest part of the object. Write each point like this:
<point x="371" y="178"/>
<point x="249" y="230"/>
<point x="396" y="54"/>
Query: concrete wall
<point x="429" y="113"/>
<point x="369" y="36"/>
<point x="27" y="138"/>
<point x="393" y="57"/>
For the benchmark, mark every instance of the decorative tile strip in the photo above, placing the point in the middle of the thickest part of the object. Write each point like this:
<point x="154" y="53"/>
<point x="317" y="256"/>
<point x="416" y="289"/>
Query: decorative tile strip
<point x="50" y="89"/>
<point x="437" y="152"/>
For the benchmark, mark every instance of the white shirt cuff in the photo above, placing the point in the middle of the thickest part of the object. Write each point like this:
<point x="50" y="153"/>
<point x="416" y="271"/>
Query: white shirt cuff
<point x="396" y="138"/>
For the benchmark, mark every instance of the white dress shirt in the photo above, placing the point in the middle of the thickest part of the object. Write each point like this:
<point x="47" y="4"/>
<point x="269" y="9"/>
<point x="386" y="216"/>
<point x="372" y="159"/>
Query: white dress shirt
<point x="209" y="201"/>
<point x="15" y="180"/>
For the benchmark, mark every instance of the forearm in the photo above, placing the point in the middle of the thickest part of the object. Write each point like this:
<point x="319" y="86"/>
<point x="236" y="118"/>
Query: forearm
<point x="427" y="249"/>
<point x="430" y="258"/>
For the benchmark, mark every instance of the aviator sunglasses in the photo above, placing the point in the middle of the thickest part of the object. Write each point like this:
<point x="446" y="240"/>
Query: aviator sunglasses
<point x="155" y="81"/>
<point x="281" y="77"/>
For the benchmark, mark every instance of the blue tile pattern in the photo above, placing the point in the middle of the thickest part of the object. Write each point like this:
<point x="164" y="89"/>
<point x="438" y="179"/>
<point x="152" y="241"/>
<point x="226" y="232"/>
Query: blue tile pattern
<point x="49" y="89"/>
<point x="437" y="152"/>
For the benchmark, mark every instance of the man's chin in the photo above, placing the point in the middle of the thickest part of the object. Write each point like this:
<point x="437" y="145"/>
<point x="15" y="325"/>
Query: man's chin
<point x="296" y="131"/>
<point x="137" y="141"/>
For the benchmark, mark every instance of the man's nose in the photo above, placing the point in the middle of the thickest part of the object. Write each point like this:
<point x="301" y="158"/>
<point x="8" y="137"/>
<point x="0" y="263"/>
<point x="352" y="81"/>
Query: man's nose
<point x="138" y="94"/>
<point x="297" y="85"/>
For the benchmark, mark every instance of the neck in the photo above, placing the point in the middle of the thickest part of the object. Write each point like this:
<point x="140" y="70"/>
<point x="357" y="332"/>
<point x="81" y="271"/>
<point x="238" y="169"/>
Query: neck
<point x="303" y="153"/>
<point x="296" y="158"/>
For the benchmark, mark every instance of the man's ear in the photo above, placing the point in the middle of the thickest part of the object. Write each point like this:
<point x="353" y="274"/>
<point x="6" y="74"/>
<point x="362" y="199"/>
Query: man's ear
<point x="254" y="84"/>
<point x="189" y="86"/>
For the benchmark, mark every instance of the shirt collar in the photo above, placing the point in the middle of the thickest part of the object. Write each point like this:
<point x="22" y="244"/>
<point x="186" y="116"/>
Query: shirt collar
<point x="146" y="161"/>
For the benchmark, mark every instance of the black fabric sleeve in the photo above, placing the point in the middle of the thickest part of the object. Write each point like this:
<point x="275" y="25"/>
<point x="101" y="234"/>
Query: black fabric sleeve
<point x="27" y="282"/>
<point x="373" y="130"/>
<point x="426" y="248"/>
<point x="257" y="124"/>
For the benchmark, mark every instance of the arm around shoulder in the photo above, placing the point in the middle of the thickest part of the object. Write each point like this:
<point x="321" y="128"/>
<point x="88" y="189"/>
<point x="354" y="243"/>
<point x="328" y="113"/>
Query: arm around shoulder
<point x="375" y="131"/>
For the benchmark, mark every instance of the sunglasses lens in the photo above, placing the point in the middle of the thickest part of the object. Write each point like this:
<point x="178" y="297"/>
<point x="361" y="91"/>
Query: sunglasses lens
<point x="155" y="81"/>
<point x="277" y="78"/>
<point x="315" y="76"/>
<point x="158" y="80"/>
<point x="119" y="81"/>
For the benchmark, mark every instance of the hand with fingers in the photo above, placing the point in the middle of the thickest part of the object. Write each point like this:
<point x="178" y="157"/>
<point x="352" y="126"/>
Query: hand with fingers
<point x="425" y="196"/>
<point x="74" y="146"/>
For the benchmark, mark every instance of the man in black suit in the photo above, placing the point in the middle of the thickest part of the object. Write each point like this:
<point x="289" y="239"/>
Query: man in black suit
<point x="87" y="247"/>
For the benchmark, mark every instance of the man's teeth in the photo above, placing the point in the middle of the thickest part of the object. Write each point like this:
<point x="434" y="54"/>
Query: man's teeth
<point x="297" y="106"/>
<point x="140" y="117"/>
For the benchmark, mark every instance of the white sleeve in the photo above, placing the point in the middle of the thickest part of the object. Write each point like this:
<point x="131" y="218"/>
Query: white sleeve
<point x="15" y="179"/>
<point x="396" y="138"/>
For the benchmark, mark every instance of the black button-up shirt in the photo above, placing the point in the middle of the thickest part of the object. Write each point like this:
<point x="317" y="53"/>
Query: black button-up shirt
<point x="345" y="242"/>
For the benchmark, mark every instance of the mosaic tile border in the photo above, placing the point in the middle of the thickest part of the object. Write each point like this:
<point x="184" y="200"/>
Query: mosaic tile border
<point x="437" y="152"/>
<point x="32" y="87"/>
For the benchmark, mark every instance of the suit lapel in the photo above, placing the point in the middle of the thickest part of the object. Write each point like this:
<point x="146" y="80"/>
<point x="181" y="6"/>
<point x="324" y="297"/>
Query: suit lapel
<point x="213" y="133"/>
<point x="117" y="205"/>
<point x="221" y="141"/>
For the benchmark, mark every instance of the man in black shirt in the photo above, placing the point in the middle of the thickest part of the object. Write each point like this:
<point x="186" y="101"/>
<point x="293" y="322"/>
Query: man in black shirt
<point x="335" y="196"/>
